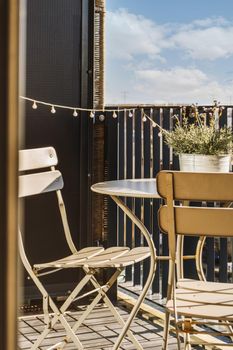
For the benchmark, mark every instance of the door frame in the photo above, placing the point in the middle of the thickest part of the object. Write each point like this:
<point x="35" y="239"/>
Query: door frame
<point x="9" y="43"/>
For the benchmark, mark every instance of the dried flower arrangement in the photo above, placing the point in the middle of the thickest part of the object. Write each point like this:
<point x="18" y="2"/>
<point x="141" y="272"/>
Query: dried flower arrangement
<point x="198" y="132"/>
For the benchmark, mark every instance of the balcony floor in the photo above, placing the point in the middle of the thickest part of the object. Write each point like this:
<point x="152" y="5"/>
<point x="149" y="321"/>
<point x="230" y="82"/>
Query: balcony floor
<point x="98" y="333"/>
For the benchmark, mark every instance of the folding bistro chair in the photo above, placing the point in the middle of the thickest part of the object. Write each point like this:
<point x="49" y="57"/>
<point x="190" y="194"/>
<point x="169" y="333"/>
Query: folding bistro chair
<point x="36" y="182"/>
<point x="199" y="308"/>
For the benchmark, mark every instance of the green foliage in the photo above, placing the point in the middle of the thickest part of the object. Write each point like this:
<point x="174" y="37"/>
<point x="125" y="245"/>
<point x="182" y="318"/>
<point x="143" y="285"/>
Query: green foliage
<point x="194" y="136"/>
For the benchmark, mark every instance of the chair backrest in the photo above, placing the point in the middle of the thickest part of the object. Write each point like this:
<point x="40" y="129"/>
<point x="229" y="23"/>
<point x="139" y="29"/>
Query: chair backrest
<point x="35" y="180"/>
<point x="37" y="158"/>
<point x="38" y="182"/>
<point x="195" y="220"/>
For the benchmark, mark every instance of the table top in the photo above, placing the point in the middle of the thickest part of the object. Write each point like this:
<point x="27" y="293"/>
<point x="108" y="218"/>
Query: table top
<point x="138" y="188"/>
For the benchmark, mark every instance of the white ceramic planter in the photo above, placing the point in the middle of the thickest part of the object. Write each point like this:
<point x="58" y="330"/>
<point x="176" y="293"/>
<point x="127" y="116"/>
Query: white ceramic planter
<point x="205" y="163"/>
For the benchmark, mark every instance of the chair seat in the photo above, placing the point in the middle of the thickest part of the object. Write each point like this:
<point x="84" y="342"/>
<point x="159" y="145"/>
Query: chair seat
<point x="95" y="257"/>
<point x="196" y="285"/>
<point x="129" y="258"/>
<point x="209" y="300"/>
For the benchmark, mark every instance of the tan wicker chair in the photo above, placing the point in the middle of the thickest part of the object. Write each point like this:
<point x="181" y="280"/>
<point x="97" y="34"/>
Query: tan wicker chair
<point x="195" y="304"/>
<point x="89" y="259"/>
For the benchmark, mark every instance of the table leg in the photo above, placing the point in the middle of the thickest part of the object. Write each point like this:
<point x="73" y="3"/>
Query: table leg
<point x="153" y="261"/>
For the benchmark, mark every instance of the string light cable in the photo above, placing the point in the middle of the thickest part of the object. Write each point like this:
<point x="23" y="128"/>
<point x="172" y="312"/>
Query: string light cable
<point x="92" y="111"/>
<point x="216" y="108"/>
<point x="75" y="110"/>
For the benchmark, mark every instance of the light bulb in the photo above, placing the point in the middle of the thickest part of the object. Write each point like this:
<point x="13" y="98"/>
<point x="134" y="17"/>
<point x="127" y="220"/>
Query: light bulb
<point x="53" y="110"/>
<point x="92" y="114"/>
<point x="130" y="114"/>
<point x="75" y="113"/>
<point x="144" y="119"/>
<point x="114" y="115"/>
<point x="34" y="106"/>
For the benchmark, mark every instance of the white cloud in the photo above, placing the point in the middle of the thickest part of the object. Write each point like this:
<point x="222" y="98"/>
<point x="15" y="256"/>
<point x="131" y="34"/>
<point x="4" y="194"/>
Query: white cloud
<point x="130" y="35"/>
<point x="205" y="44"/>
<point x="180" y="85"/>
<point x="205" y="23"/>
<point x="177" y="85"/>
<point x="176" y="77"/>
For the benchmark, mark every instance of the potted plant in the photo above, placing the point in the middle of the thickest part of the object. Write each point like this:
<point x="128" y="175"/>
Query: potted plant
<point x="199" y="142"/>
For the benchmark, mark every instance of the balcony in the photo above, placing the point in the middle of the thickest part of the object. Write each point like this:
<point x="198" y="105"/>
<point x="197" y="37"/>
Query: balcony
<point x="109" y="143"/>
<point x="139" y="152"/>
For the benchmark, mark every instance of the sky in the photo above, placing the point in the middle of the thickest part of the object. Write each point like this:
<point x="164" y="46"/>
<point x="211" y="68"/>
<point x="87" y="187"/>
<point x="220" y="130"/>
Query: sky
<point x="169" y="51"/>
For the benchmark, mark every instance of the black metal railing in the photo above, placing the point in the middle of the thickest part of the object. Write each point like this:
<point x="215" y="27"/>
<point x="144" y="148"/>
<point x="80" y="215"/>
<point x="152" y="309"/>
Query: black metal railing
<point x="136" y="149"/>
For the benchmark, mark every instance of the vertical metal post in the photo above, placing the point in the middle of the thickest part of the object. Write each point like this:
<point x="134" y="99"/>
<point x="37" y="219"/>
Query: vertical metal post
<point x="223" y="244"/>
<point x="129" y="175"/>
<point x="138" y="201"/>
<point x="147" y="201"/>
<point x="156" y="202"/>
<point x="165" y="123"/>
<point x="121" y="171"/>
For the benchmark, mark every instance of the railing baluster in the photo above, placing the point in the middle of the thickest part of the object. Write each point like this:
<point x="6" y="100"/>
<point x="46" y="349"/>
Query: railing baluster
<point x="110" y="208"/>
<point x="129" y="175"/>
<point x="165" y="123"/>
<point x="210" y="259"/>
<point x="111" y="162"/>
<point x="121" y="166"/>
<point x="223" y="258"/>
<point x="156" y="202"/>
<point x="223" y="254"/>
<point x="175" y="159"/>
<point x="147" y="206"/>
<point x="138" y="201"/>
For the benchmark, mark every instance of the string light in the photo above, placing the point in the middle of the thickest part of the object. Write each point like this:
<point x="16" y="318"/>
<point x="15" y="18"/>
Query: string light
<point x="34" y="106"/>
<point x="54" y="107"/>
<point x="114" y="115"/>
<point x="75" y="113"/>
<point x="130" y="114"/>
<point x="37" y="102"/>
<point x="53" y="110"/>
<point x="92" y="115"/>
<point x="144" y="118"/>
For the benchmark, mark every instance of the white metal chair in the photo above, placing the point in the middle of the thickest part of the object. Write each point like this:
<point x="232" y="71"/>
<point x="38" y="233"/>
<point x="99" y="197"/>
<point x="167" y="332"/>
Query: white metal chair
<point x="89" y="259"/>
<point x="198" y="307"/>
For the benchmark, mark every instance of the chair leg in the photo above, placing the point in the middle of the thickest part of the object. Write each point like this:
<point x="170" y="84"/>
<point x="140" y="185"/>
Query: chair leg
<point x="108" y="303"/>
<point x="57" y="317"/>
<point x="187" y="345"/>
<point x="111" y="307"/>
<point x="91" y="306"/>
<point x="177" y="332"/>
<point x="229" y="328"/>
<point x="70" y="333"/>
<point x="58" y="314"/>
<point x="166" y="330"/>
<point x="75" y="292"/>
<point x="121" y="322"/>
<point x="151" y="273"/>
<point x="40" y="338"/>
<point x="102" y="295"/>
